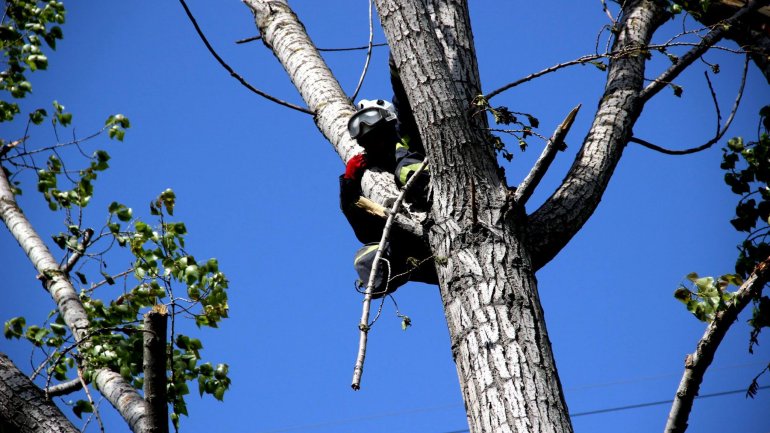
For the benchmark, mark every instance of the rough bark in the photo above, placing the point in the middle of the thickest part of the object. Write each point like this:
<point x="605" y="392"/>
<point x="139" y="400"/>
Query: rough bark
<point x="699" y="361"/>
<point x="23" y="406"/>
<point x="499" y="340"/>
<point x="564" y="213"/>
<point x="154" y="364"/>
<point x="118" y="392"/>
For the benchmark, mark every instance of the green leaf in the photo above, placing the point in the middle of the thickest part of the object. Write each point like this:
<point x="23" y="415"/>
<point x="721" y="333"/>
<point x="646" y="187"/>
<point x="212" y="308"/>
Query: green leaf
<point x="82" y="406"/>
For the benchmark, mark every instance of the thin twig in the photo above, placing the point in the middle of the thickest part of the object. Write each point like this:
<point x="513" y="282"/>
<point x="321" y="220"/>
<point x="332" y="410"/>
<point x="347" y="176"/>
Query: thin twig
<point x="556" y="143"/>
<point x="368" y="54"/>
<point x="250" y="39"/>
<point x="90" y="399"/>
<point x="698" y="362"/>
<point x="717" y="32"/>
<point x="530" y="77"/>
<point x="363" y="326"/>
<point x="232" y="72"/>
<point x="720" y="133"/>
<point x="77" y="254"/>
<point x="363" y="47"/>
<point x="607" y="11"/>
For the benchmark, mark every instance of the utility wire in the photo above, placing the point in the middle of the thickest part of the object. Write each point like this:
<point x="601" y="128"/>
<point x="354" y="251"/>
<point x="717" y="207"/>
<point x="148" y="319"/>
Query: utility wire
<point x="640" y="405"/>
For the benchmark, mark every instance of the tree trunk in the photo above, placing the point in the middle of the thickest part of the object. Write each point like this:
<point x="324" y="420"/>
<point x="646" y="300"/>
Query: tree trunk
<point x="499" y="340"/>
<point x="23" y="406"/>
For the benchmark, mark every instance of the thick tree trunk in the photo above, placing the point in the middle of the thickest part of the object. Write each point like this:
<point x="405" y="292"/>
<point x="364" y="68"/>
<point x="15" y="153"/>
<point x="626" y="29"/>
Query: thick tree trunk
<point x="23" y="406"/>
<point x="499" y="341"/>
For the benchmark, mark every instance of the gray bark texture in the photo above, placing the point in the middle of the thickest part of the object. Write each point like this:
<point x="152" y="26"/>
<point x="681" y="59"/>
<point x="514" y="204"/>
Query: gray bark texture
<point x="23" y="406"/>
<point x="488" y="248"/>
<point x="115" y="389"/>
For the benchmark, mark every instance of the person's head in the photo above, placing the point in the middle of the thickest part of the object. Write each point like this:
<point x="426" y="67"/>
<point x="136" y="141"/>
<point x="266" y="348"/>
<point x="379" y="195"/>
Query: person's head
<point x="374" y="127"/>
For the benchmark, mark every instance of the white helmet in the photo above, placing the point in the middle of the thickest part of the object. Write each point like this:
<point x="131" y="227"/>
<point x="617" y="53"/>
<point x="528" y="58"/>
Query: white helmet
<point x="370" y="114"/>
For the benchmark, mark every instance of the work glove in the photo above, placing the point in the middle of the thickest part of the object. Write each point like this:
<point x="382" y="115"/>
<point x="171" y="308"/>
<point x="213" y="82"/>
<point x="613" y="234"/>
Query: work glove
<point x="355" y="167"/>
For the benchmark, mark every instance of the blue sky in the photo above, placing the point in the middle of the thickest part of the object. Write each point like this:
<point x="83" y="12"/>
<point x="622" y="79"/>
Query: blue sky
<point x="257" y="187"/>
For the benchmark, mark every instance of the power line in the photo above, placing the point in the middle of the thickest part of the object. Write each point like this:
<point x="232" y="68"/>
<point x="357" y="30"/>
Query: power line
<point x="640" y="405"/>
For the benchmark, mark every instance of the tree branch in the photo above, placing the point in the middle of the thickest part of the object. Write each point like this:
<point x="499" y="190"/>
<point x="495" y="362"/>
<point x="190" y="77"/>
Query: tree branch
<point x="232" y="72"/>
<point x="569" y="207"/>
<point x="698" y="362"/>
<point x="77" y="254"/>
<point x="154" y="360"/>
<point x="285" y="35"/>
<point x="23" y="406"/>
<point x="363" y="326"/>
<point x="555" y="144"/>
<point x="717" y="32"/>
<point x="120" y="393"/>
<point x="65" y="388"/>
<point x="720" y="131"/>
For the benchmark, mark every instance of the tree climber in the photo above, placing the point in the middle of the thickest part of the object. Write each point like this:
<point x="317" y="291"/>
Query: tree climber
<point x="376" y="128"/>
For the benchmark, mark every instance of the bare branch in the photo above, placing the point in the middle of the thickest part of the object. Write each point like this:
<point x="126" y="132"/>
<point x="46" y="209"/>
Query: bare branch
<point x="555" y="144"/>
<point x="698" y="362"/>
<point x="720" y="131"/>
<point x="249" y="39"/>
<point x="232" y="72"/>
<point x="368" y="53"/>
<point x="77" y="254"/>
<point x="717" y="32"/>
<point x="65" y="388"/>
<point x="402" y="221"/>
<point x="363" y="326"/>
<point x="579" y="61"/>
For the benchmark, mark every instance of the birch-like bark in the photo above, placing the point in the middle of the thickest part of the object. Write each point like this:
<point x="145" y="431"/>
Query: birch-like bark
<point x="285" y="35"/>
<point x="699" y="361"/>
<point x="23" y="406"/>
<point x="564" y="213"/>
<point x="496" y="325"/>
<point x="120" y="393"/>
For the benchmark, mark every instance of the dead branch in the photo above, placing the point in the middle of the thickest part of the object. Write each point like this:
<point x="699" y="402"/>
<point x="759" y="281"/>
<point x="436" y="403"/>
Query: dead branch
<point x="403" y="222"/>
<point x="717" y="32"/>
<point x="232" y="72"/>
<point x="364" y="326"/>
<point x="698" y="362"/>
<point x="720" y="132"/>
<point x="555" y="144"/>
